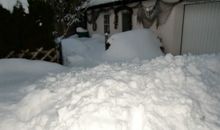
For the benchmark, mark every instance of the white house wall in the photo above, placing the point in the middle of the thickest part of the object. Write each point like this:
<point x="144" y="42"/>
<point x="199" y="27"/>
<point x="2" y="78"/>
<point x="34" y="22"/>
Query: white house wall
<point x="100" y="25"/>
<point x="170" y="32"/>
<point x="100" y="21"/>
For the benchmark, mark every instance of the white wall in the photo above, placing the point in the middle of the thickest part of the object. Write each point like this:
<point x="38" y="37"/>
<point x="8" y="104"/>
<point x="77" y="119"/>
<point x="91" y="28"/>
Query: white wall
<point x="100" y="21"/>
<point x="171" y="31"/>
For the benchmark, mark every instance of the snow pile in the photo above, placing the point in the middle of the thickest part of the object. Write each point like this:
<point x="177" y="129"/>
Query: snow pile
<point x="136" y="44"/>
<point x="17" y="74"/>
<point x="9" y="4"/>
<point x="83" y="52"/>
<point x="180" y="93"/>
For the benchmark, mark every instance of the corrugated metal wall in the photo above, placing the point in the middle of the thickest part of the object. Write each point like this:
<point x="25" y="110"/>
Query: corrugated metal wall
<point x="201" y="28"/>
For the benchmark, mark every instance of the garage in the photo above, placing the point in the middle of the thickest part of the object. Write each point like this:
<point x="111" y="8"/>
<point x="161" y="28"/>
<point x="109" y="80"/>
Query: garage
<point x="201" y="28"/>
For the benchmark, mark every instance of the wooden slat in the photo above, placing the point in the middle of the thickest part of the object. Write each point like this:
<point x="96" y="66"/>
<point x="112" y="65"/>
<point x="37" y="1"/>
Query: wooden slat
<point x="10" y="54"/>
<point x="36" y="53"/>
<point x="48" y="53"/>
<point x="51" y="55"/>
<point x="23" y="53"/>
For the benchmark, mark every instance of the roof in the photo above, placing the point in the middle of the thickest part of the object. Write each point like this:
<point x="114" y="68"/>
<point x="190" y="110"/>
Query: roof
<point x="98" y="2"/>
<point x="92" y="4"/>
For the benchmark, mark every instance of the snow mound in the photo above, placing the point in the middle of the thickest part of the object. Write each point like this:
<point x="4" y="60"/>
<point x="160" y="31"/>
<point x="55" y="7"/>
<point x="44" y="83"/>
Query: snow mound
<point x="83" y="52"/>
<point x="17" y="73"/>
<point x="21" y="69"/>
<point x="166" y="93"/>
<point x="136" y="44"/>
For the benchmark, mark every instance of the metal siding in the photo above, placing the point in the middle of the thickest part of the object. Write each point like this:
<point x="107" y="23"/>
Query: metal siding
<point x="201" y="29"/>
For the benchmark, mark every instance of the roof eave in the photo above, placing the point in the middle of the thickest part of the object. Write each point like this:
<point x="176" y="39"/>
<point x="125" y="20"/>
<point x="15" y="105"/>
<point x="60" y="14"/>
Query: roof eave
<point x="116" y="3"/>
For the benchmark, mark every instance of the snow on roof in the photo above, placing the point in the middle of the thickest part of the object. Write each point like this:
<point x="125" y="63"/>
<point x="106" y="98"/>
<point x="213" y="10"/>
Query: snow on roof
<point x="90" y="3"/>
<point x="98" y="2"/>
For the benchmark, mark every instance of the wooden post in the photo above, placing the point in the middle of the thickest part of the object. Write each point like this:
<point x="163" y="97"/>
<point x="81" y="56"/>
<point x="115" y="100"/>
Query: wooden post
<point x="60" y="53"/>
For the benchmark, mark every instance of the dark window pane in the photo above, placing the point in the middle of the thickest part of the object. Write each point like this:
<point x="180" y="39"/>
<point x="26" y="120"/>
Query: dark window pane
<point x="126" y="21"/>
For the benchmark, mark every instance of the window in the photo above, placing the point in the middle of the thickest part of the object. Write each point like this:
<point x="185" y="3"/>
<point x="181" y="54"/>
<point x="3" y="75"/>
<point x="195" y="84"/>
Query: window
<point x="106" y="23"/>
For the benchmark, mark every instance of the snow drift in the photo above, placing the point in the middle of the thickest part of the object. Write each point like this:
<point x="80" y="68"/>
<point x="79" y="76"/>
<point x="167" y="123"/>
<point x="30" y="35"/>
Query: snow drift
<point x="180" y="93"/>
<point x="135" y="45"/>
<point x="17" y="74"/>
<point x="83" y="52"/>
<point x="138" y="44"/>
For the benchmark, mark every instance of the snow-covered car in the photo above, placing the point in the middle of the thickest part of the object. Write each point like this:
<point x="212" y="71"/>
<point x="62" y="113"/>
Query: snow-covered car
<point x="141" y="44"/>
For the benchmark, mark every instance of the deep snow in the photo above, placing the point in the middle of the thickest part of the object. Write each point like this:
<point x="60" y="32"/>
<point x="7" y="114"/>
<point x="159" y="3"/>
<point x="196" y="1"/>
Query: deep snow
<point x="83" y="52"/>
<point x="140" y="44"/>
<point x="130" y="46"/>
<point x="18" y="77"/>
<point x="166" y="93"/>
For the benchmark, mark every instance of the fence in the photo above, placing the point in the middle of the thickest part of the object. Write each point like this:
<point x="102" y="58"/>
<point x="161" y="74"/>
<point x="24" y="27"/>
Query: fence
<point x="51" y="55"/>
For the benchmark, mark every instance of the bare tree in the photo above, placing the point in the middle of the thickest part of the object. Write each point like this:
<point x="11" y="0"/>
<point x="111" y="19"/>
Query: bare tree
<point x="67" y="13"/>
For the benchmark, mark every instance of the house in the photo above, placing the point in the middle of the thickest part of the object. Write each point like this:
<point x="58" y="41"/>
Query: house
<point x="192" y="27"/>
<point x="183" y="26"/>
<point x="113" y="16"/>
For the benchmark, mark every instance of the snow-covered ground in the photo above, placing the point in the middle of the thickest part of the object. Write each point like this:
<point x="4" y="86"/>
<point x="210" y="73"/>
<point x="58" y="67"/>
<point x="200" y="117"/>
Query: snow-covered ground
<point x="16" y="73"/>
<point x="18" y="77"/>
<point x="168" y="92"/>
<point x="141" y="93"/>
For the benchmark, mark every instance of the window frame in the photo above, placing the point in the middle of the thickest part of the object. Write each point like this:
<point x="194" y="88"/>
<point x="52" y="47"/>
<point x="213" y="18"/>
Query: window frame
<point x="106" y="23"/>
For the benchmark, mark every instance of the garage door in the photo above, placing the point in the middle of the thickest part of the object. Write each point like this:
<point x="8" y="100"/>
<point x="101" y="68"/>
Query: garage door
<point x="201" y="28"/>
